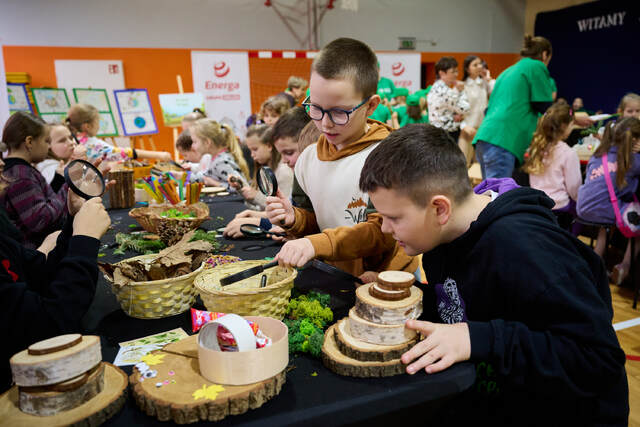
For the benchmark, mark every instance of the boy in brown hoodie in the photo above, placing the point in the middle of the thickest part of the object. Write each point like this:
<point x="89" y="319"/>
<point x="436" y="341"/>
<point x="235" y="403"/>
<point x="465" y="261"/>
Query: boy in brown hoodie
<point x="334" y="217"/>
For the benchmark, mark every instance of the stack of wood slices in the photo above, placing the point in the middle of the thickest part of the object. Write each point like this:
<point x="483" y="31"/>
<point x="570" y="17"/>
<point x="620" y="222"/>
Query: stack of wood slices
<point x="371" y="340"/>
<point x="62" y="380"/>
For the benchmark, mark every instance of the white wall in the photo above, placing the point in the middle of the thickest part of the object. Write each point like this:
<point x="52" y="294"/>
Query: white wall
<point x="457" y="25"/>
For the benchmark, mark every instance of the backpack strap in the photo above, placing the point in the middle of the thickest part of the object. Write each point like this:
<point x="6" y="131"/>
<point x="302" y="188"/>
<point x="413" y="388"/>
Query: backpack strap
<point x="612" y="193"/>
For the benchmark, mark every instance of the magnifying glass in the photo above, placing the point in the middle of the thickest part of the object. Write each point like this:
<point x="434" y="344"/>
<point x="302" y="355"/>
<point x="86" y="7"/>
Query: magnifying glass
<point x="256" y="231"/>
<point x="267" y="181"/>
<point x="84" y="179"/>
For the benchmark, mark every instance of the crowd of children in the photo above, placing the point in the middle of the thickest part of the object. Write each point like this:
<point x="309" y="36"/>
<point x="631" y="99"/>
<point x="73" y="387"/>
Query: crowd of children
<point x="355" y="191"/>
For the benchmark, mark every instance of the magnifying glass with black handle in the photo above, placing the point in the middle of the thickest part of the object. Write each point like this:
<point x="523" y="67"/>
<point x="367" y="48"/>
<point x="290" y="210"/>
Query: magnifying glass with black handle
<point x="268" y="183"/>
<point x="84" y="179"/>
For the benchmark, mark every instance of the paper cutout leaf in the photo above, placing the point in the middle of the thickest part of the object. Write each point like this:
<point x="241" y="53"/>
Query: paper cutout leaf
<point x="153" y="359"/>
<point x="210" y="392"/>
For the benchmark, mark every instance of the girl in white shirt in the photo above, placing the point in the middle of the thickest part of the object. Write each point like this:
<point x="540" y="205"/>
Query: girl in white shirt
<point x="477" y="91"/>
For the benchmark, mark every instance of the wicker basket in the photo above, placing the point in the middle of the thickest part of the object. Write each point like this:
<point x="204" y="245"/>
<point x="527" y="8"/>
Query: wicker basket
<point x="170" y="230"/>
<point x="246" y="297"/>
<point x="157" y="298"/>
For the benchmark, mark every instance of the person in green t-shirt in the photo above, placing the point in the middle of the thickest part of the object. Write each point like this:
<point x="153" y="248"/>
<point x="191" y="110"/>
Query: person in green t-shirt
<point x="414" y="112"/>
<point x="400" y="105"/>
<point x="386" y="88"/>
<point x="522" y="92"/>
<point x="382" y="113"/>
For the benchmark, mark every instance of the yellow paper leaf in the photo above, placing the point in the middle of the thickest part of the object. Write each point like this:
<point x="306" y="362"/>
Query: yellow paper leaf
<point x="210" y="392"/>
<point x="153" y="359"/>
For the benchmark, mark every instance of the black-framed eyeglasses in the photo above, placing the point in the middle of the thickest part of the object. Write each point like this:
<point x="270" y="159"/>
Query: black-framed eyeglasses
<point x="337" y="115"/>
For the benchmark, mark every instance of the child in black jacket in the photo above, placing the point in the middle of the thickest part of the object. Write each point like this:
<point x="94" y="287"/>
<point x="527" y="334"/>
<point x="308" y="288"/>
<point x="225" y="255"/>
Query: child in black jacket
<point x="508" y="288"/>
<point x="46" y="292"/>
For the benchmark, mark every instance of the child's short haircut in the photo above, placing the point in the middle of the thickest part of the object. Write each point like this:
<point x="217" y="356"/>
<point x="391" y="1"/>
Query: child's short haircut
<point x="308" y="135"/>
<point x="349" y="59"/>
<point x="290" y="124"/>
<point x="419" y="160"/>
<point x="296" y="82"/>
<point x="445" y="63"/>
<point x="276" y="104"/>
<point x="184" y="141"/>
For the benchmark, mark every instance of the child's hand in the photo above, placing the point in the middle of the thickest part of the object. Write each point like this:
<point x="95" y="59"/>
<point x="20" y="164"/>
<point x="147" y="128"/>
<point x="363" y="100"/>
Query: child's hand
<point x="460" y="85"/>
<point x="279" y="209"/>
<point x="296" y="253"/>
<point x="49" y="243"/>
<point x="369" y="276"/>
<point x="582" y="119"/>
<point x="79" y="152"/>
<point x="248" y="193"/>
<point x="276" y="229"/>
<point x="248" y="213"/>
<point x="233" y="228"/>
<point x="443" y="346"/>
<point x="91" y="220"/>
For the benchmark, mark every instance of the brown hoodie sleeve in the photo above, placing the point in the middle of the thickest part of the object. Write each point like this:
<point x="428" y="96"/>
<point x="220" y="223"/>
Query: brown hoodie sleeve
<point x="364" y="240"/>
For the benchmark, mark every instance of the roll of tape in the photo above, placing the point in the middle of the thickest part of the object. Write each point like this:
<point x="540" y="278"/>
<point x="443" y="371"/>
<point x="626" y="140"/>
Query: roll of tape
<point x="237" y="327"/>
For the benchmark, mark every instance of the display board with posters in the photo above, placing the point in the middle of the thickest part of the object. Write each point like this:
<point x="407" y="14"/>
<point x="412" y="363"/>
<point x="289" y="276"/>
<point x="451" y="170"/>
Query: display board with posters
<point x="135" y="111"/>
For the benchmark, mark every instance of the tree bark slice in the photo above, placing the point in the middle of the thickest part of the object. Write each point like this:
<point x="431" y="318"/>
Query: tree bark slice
<point x="46" y="401"/>
<point x="388" y="312"/>
<point x="376" y="333"/>
<point x="396" y="279"/>
<point x="378" y="292"/>
<point x="176" y="402"/>
<point x="52" y="368"/>
<point x="341" y="364"/>
<point x="364" y="351"/>
<point x="91" y="413"/>
<point x="54" y="344"/>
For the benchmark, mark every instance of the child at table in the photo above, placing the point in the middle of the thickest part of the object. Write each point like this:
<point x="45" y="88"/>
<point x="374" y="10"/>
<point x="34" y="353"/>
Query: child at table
<point x="263" y="153"/>
<point x="193" y="161"/>
<point x="31" y="204"/>
<point x="46" y="292"/>
<point x="219" y="141"/>
<point x="290" y="135"/>
<point x="62" y="150"/>
<point x="552" y="165"/>
<point x="621" y="144"/>
<point x="536" y="308"/>
<point x="334" y="219"/>
<point x="191" y="118"/>
<point x="84" y="122"/>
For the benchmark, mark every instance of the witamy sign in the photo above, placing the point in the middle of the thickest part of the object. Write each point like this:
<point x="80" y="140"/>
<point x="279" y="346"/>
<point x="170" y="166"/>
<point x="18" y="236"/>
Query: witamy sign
<point x="615" y="19"/>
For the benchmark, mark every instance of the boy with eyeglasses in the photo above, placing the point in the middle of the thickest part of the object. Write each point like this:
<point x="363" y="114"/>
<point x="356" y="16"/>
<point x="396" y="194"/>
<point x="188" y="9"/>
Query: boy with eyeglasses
<point x="333" y="215"/>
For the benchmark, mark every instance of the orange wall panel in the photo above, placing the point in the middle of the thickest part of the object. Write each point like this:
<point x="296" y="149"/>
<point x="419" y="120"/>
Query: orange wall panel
<point x="156" y="70"/>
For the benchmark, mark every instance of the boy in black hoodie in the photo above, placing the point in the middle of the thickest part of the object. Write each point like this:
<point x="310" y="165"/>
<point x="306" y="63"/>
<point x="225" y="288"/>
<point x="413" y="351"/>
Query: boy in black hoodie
<point x="508" y="288"/>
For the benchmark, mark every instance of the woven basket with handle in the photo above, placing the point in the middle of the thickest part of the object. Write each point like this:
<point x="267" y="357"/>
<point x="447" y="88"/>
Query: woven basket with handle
<point x="157" y="298"/>
<point x="246" y="297"/>
<point x="170" y="230"/>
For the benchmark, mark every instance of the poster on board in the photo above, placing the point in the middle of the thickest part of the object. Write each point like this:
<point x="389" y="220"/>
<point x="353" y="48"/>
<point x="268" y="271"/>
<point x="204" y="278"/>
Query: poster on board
<point x="176" y="105"/>
<point x="18" y="98"/>
<point x="136" y="114"/>
<point x="99" y="99"/>
<point x="4" y="99"/>
<point x="52" y="104"/>
<point x="223" y="79"/>
<point x="402" y="68"/>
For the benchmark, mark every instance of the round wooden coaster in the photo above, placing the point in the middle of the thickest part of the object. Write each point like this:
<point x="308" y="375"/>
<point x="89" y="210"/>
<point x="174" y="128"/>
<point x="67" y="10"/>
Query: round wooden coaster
<point x="376" y="333"/>
<point x="91" y="413"/>
<point x="342" y="364"/>
<point x="396" y="279"/>
<point x="212" y="190"/>
<point x="364" y="351"/>
<point x="180" y="394"/>
<point x="31" y="370"/>
<point x="388" y="312"/>
<point x="388" y="295"/>
<point x="54" y="344"/>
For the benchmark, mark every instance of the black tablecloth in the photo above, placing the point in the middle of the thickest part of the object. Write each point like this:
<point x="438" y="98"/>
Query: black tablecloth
<point x="312" y="395"/>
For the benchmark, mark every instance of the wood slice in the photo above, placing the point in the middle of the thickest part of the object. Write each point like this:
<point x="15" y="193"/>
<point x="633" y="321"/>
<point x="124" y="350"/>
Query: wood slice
<point x="91" y="413"/>
<point x="388" y="295"/>
<point x="388" y="312"/>
<point x="364" y="351"/>
<point x="341" y="364"/>
<point x="47" y="400"/>
<point x="52" y="368"/>
<point x="210" y="190"/>
<point x="175" y="401"/>
<point x="396" y="279"/>
<point x="375" y="333"/>
<point x="54" y="344"/>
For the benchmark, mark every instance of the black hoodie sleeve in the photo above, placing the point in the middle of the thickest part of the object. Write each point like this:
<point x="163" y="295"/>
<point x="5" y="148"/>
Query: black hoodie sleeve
<point x="556" y="334"/>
